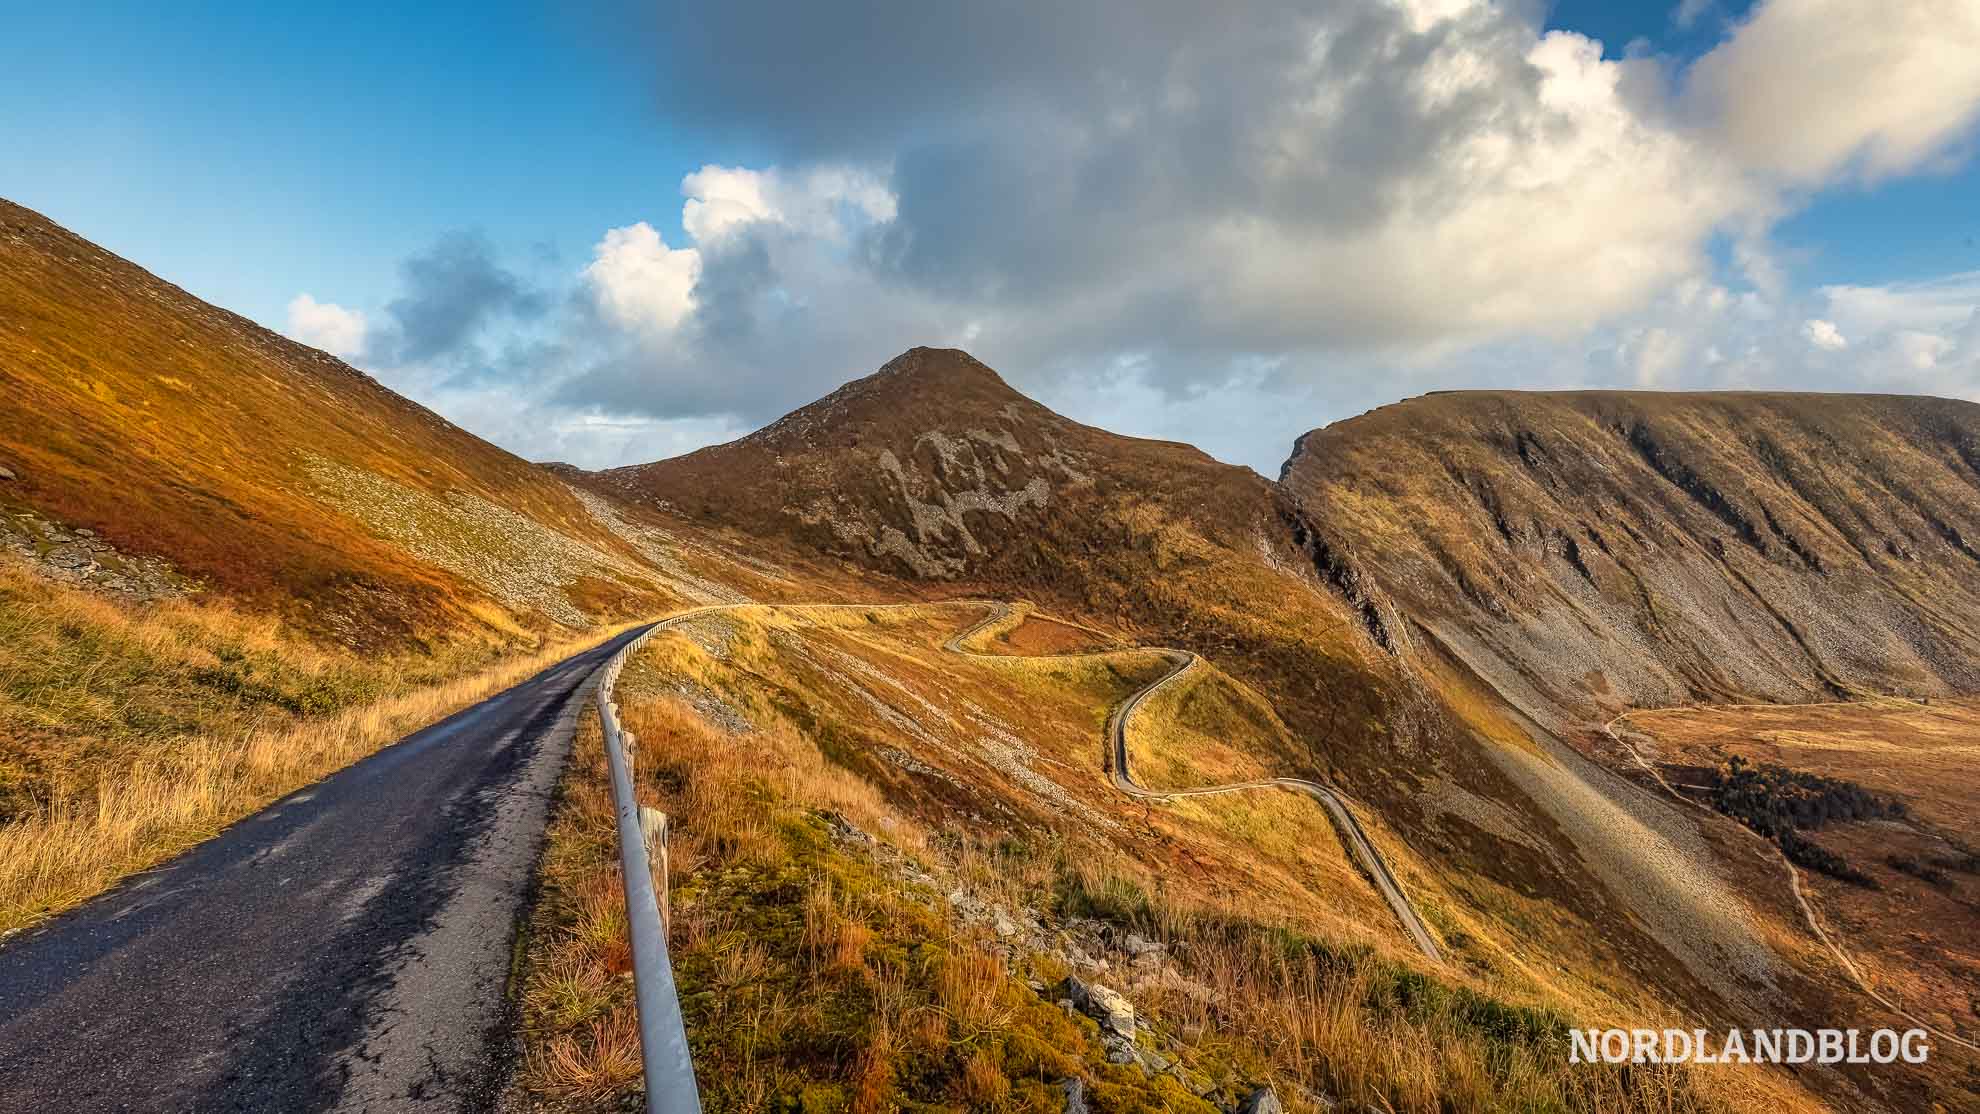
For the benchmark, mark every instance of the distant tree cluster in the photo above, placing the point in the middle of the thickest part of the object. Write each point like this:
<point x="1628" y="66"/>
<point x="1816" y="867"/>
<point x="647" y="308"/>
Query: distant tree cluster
<point x="1780" y="803"/>
<point x="1924" y="872"/>
<point x="1962" y="859"/>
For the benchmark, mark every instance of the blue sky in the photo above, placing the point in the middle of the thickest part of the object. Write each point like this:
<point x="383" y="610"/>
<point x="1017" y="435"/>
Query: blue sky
<point x="250" y="151"/>
<point x="895" y="178"/>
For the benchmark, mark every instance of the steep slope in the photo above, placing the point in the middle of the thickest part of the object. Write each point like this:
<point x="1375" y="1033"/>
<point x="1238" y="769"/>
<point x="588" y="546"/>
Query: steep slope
<point x="934" y="472"/>
<point x="267" y="470"/>
<point x="1588" y="551"/>
<point x="230" y="565"/>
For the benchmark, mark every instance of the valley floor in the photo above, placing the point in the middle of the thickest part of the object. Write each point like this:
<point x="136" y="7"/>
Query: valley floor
<point x="1908" y="874"/>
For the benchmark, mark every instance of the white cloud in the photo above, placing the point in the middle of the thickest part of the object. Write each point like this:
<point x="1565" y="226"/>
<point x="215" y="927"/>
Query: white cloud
<point x="722" y="198"/>
<point x="643" y="284"/>
<point x="639" y="282"/>
<point x="1688" y="12"/>
<point x="1656" y="353"/>
<point x="1551" y="213"/>
<point x="1807" y="89"/>
<point x="1943" y="303"/>
<point x="1824" y="335"/>
<point x="326" y="325"/>
<point x="1420" y="177"/>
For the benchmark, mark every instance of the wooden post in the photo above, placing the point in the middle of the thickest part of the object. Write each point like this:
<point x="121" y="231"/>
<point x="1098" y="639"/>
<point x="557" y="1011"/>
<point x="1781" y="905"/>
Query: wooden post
<point x="653" y="830"/>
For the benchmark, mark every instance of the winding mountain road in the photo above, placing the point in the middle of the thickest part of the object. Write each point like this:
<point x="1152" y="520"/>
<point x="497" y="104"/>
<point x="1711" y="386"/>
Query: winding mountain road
<point x="346" y="949"/>
<point x="1358" y="845"/>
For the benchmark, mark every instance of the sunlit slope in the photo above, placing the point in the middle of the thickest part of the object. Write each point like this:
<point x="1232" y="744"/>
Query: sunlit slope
<point x="268" y="470"/>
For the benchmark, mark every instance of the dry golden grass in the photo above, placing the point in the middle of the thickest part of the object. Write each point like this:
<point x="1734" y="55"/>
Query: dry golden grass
<point x="1924" y="754"/>
<point x="816" y="979"/>
<point x="812" y="978"/>
<point x="131" y="734"/>
<point x="1204" y="728"/>
<point x="576" y="995"/>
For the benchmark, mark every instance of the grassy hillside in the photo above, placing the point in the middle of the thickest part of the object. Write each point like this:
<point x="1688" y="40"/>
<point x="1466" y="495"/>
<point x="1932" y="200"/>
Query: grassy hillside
<point x="230" y="564"/>
<point x="886" y="862"/>
<point x="270" y="472"/>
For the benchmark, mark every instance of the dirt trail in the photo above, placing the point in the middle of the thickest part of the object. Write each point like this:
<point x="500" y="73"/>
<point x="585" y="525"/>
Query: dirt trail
<point x="1808" y="913"/>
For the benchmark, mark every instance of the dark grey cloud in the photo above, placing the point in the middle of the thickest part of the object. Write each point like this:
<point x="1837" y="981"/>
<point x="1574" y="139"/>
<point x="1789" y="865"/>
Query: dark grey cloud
<point x="1042" y="146"/>
<point x="452" y="291"/>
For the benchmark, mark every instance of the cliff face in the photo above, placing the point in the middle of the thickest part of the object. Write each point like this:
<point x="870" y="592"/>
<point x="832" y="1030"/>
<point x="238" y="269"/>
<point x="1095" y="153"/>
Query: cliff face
<point x="1585" y="551"/>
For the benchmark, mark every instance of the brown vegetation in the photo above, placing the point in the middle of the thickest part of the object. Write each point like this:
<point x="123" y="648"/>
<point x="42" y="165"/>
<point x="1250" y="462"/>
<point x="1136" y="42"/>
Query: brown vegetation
<point x="1915" y="929"/>
<point x="1391" y="682"/>
<point x="822" y="969"/>
<point x="1607" y="549"/>
<point x="176" y="429"/>
<point x="1411" y="615"/>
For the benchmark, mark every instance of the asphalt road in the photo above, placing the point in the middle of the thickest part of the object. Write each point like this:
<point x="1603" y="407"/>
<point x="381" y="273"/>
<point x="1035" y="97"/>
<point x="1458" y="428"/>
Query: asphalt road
<point x="346" y="949"/>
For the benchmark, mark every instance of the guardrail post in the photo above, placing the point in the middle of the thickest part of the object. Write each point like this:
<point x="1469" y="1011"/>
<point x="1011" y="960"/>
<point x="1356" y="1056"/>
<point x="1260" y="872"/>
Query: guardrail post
<point x="653" y="832"/>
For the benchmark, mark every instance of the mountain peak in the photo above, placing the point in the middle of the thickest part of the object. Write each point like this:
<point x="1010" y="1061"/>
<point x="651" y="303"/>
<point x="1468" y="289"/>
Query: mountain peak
<point x="922" y="390"/>
<point x="932" y="465"/>
<point x="947" y="366"/>
<point x="949" y="378"/>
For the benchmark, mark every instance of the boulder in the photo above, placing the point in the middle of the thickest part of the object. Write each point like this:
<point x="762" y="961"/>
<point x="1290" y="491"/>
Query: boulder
<point x="1262" y="1101"/>
<point x="7" y="473"/>
<point x="1002" y="922"/>
<point x="1075" y="1092"/>
<point x="1114" y="1013"/>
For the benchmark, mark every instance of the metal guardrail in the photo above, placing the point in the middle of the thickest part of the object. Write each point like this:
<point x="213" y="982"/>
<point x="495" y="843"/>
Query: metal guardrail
<point x="670" y="1086"/>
